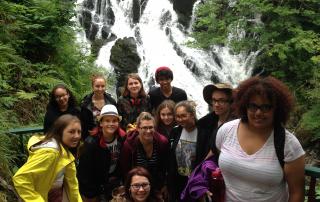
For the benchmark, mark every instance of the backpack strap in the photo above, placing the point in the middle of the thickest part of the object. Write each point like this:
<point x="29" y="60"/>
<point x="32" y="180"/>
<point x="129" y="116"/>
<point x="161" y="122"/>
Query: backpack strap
<point x="279" y="141"/>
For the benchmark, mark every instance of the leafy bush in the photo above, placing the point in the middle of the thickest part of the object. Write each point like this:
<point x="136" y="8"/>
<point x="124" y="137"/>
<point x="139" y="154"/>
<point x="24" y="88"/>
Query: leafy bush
<point x="37" y="51"/>
<point x="287" y="36"/>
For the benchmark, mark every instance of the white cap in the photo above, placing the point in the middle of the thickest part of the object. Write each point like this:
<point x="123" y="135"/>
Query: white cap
<point x="109" y="110"/>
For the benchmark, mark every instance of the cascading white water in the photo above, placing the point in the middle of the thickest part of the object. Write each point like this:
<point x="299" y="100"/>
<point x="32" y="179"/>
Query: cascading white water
<point x="161" y="42"/>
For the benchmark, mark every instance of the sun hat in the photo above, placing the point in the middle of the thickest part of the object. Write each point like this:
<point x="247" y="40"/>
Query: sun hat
<point x="163" y="71"/>
<point x="208" y="90"/>
<point x="109" y="110"/>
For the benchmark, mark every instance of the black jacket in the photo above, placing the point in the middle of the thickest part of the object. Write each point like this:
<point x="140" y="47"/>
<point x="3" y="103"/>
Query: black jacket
<point x="86" y="116"/>
<point x="130" y="109"/>
<point x="209" y="125"/>
<point x="53" y="113"/>
<point x="93" y="166"/>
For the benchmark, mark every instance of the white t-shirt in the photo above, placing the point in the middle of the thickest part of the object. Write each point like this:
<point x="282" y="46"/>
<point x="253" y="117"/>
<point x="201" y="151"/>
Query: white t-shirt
<point x="186" y="151"/>
<point x="257" y="177"/>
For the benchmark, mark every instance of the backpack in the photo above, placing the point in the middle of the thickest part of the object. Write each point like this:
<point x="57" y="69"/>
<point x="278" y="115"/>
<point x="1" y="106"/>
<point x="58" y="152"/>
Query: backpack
<point x="279" y="141"/>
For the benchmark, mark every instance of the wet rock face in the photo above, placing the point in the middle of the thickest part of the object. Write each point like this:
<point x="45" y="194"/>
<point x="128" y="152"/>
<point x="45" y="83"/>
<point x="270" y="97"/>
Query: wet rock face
<point x="138" y="7"/>
<point x="125" y="58"/>
<point x="90" y="28"/>
<point x="90" y="20"/>
<point x="184" y="10"/>
<point x="85" y="21"/>
<point x="108" y="16"/>
<point x="88" y="4"/>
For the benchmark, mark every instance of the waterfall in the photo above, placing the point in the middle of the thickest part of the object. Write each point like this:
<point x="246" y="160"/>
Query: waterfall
<point x="161" y="41"/>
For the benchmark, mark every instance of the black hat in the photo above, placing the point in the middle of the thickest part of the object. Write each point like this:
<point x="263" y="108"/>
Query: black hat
<point x="208" y="90"/>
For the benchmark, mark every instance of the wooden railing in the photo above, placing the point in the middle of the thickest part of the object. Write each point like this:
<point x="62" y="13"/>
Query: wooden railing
<point x="310" y="171"/>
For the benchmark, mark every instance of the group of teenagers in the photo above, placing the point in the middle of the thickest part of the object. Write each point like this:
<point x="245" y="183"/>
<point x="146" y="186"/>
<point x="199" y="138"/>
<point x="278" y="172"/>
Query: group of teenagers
<point x="145" y="147"/>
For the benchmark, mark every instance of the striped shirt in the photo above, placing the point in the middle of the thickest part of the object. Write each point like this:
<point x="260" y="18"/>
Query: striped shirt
<point x="149" y="163"/>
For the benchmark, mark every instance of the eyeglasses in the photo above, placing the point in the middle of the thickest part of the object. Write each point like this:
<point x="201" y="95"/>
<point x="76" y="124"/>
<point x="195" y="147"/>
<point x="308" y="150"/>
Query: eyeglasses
<point x="144" y="186"/>
<point x="219" y="102"/>
<point x="146" y="128"/>
<point x="263" y="108"/>
<point x="58" y="97"/>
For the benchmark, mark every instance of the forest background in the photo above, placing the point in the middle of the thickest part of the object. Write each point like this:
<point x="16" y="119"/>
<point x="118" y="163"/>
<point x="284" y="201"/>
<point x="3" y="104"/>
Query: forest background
<point x="38" y="50"/>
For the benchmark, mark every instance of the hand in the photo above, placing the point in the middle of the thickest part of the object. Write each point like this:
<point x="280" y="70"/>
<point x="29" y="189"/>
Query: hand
<point x="164" y="193"/>
<point x="208" y="194"/>
<point x="131" y="127"/>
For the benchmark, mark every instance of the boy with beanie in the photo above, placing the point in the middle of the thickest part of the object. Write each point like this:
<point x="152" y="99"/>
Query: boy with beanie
<point x="164" y="77"/>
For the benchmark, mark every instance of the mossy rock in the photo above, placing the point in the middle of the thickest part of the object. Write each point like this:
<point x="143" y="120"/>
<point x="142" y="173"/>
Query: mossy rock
<point x="124" y="57"/>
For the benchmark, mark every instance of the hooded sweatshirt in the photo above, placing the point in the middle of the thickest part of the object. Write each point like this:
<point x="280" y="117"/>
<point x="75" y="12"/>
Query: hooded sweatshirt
<point x="129" y="151"/>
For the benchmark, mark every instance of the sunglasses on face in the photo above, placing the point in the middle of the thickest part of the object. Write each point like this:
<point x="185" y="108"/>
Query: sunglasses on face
<point x="252" y="107"/>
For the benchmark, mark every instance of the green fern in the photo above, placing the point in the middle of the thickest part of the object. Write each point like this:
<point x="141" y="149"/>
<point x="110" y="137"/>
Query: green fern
<point x="26" y="96"/>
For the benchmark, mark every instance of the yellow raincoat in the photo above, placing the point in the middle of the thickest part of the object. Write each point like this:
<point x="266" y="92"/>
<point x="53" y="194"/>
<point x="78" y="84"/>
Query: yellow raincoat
<point x="34" y="179"/>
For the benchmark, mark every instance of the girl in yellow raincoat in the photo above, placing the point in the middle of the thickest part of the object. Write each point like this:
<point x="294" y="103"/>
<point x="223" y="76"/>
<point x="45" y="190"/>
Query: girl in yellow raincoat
<point x="49" y="173"/>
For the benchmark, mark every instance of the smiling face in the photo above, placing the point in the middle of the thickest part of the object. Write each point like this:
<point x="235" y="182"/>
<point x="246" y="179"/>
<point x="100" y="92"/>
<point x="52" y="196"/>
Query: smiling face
<point x="99" y="86"/>
<point x="166" y="116"/>
<point x="220" y="103"/>
<point x="72" y="134"/>
<point x="139" y="188"/>
<point x="146" y="130"/>
<point x="134" y="87"/>
<point x="109" y="125"/>
<point x="184" y="118"/>
<point x="62" y="97"/>
<point x="260" y="112"/>
<point x="165" y="83"/>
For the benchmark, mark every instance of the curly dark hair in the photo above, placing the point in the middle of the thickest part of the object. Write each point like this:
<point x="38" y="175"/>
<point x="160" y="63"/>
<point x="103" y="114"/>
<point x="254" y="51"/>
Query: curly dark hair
<point x="269" y="87"/>
<point x="52" y="99"/>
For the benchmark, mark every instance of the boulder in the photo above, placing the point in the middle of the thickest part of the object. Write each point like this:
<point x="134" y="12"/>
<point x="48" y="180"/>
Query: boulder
<point x="125" y="59"/>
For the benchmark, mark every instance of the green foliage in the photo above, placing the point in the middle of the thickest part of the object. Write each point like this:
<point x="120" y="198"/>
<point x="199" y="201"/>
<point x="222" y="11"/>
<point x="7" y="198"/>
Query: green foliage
<point x="287" y="34"/>
<point x="37" y="51"/>
<point x="6" y="156"/>
<point x="310" y="119"/>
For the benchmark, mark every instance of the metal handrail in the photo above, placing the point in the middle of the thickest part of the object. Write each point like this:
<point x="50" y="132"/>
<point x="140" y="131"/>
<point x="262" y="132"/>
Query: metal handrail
<point x="22" y="131"/>
<point x="310" y="171"/>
